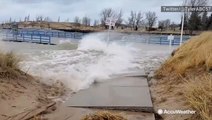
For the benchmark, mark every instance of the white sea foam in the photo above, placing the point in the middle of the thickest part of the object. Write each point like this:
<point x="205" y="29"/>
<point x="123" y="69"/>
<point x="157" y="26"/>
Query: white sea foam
<point x="94" y="60"/>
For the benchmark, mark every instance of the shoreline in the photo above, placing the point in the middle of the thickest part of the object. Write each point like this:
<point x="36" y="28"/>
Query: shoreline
<point x="72" y="27"/>
<point x="119" y="31"/>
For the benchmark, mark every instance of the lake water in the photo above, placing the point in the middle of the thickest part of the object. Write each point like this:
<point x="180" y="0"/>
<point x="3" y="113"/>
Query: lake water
<point x="78" y="64"/>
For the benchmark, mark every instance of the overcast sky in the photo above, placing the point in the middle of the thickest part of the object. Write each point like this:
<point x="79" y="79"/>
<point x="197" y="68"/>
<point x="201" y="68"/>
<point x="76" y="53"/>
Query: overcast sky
<point x="68" y="9"/>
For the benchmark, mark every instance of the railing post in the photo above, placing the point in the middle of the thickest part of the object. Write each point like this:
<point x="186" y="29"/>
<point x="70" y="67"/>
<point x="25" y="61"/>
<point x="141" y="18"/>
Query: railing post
<point x="40" y="39"/>
<point x="31" y="37"/>
<point x="16" y="37"/>
<point x="149" y="39"/>
<point x="49" y="40"/>
<point x="23" y="37"/>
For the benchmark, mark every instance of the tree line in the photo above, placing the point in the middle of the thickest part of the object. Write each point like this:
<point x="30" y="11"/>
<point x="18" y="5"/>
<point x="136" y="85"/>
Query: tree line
<point x="134" y="21"/>
<point x="193" y="21"/>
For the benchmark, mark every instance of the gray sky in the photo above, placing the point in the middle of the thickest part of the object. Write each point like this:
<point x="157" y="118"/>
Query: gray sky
<point x="68" y="9"/>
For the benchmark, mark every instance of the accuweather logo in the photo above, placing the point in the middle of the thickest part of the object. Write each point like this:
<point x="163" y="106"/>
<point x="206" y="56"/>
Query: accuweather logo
<point x="173" y="112"/>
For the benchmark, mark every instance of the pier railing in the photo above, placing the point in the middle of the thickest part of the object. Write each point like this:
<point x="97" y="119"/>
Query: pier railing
<point x="163" y="40"/>
<point x="53" y="33"/>
<point x="45" y="36"/>
<point x="41" y="39"/>
<point x="38" y="36"/>
<point x="155" y="39"/>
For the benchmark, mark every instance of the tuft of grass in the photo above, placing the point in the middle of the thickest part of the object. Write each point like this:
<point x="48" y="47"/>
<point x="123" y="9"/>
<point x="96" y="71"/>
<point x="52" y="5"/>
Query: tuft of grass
<point x="197" y="52"/>
<point x="103" y="115"/>
<point x="9" y="65"/>
<point x="198" y="94"/>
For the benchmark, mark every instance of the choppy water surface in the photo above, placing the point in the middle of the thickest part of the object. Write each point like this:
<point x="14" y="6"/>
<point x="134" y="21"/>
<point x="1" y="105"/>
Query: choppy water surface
<point x="78" y="65"/>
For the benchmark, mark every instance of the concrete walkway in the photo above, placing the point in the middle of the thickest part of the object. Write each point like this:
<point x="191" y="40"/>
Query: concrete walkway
<point x="72" y="113"/>
<point x="121" y="93"/>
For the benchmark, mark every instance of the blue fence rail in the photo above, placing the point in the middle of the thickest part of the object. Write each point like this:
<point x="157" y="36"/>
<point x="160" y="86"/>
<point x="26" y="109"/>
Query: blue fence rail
<point x="155" y="39"/>
<point x="53" y="33"/>
<point x="45" y="36"/>
<point x="41" y="39"/>
<point x="163" y="40"/>
<point x="39" y="36"/>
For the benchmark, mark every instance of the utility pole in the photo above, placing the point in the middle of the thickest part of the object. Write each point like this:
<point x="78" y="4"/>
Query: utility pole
<point x="181" y="35"/>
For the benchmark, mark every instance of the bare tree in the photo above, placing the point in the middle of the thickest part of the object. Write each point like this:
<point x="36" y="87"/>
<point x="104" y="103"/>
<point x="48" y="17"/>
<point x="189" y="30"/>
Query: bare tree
<point x="106" y="13"/>
<point x="196" y="2"/>
<point x="119" y="18"/>
<point x="77" y="20"/>
<point x="25" y="19"/>
<point x="86" y="21"/>
<point x="135" y="20"/>
<point x="173" y="26"/>
<point x="151" y="19"/>
<point x="10" y="20"/>
<point x="95" y="23"/>
<point x="110" y="13"/>
<point x="58" y="20"/>
<point x="39" y="18"/>
<point x="164" y="24"/>
<point x="47" y="19"/>
<point x="67" y="20"/>
<point x="138" y="20"/>
<point x="143" y="23"/>
<point x="131" y="20"/>
<point x="28" y="17"/>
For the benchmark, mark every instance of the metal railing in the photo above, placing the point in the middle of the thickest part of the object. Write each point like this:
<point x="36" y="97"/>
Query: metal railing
<point x="38" y="36"/>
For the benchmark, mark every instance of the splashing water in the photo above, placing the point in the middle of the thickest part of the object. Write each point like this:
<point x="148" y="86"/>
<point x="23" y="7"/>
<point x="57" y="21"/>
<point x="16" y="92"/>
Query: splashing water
<point x="93" y="61"/>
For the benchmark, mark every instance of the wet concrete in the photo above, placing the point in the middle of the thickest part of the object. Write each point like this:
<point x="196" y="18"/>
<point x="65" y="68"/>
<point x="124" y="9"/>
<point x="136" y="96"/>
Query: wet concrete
<point x="122" y="93"/>
<point x="133" y="74"/>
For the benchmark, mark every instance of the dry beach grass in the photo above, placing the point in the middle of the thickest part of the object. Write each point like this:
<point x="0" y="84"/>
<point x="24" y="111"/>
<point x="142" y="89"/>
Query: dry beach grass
<point x="186" y="77"/>
<point x="197" y="52"/>
<point x="198" y="94"/>
<point x="103" y="115"/>
<point x="9" y="65"/>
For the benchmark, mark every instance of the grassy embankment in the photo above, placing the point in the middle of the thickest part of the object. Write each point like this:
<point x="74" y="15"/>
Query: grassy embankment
<point x="189" y="72"/>
<point x="21" y="92"/>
